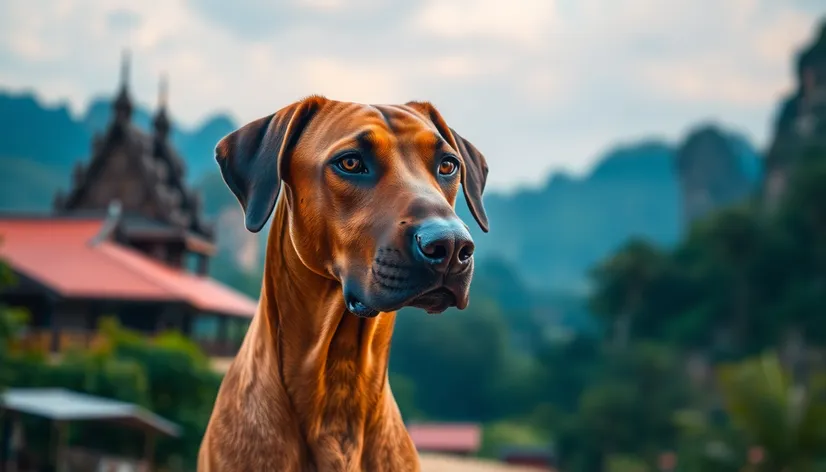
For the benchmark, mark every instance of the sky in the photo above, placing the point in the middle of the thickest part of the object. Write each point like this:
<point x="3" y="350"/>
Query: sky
<point x="536" y="85"/>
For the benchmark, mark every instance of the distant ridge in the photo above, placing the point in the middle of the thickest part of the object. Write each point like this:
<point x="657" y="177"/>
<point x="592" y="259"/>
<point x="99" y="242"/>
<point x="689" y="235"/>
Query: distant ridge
<point x="554" y="233"/>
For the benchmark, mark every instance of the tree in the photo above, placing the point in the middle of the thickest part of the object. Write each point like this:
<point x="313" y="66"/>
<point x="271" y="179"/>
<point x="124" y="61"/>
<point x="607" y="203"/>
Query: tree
<point x="728" y="243"/>
<point x="785" y="416"/>
<point x="802" y="217"/>
<point x="180" y="385"/>
<point x="622" y="282"/>
<point x="564" y="369"/>
<point x="168" y="375"/>
<point x="627" y="409"/>
<point x="456" y="360"/>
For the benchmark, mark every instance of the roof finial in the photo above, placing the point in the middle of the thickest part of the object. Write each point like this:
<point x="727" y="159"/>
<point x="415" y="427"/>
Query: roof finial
<point x="163" y="91"/>
<point x="123" y="104"/>
<point x="113" y="215"/>
<point x="162" y="124"/>
<point x="124" y="69"/>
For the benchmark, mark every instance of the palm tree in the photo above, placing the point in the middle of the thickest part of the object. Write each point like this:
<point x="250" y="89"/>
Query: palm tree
<point x="784" y="417"/>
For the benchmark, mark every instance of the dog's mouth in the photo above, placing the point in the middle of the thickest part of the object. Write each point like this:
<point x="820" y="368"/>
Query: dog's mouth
<point x="433" y="301"/>
<point x="358" y="308"/>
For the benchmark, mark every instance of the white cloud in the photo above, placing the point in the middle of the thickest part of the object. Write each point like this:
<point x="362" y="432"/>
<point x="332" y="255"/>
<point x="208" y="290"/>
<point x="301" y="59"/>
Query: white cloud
<point x="524" y="22"/>
<point x="341" y="80"/>
<point x="552" y="81"/>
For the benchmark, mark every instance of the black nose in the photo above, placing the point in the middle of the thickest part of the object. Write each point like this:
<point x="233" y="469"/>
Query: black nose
<point x="445" y="244"/>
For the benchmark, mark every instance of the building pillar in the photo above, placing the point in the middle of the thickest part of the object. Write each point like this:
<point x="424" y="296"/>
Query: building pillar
<point x="223" y="335"/>
<point x="149" y="450"/>
<point x="92" y="317"/>
<point x="6" y="430"/>
<point x="203" y="264"/>
<point x="54" y="325"/>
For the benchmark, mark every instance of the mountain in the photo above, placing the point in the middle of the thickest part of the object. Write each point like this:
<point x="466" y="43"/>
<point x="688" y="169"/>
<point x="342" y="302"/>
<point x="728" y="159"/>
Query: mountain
<point x="52" y="137"/>
<point x="556" y="233"/>
<point x="49" y="136"/>
<point x="553" y="234"/>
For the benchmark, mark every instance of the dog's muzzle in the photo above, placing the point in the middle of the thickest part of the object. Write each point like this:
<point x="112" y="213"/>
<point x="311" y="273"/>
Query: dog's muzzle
<point x="433" y="272"/>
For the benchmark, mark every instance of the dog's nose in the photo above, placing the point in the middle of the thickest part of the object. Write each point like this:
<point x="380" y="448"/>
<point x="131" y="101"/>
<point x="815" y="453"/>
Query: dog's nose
<point x="444" y="244"/>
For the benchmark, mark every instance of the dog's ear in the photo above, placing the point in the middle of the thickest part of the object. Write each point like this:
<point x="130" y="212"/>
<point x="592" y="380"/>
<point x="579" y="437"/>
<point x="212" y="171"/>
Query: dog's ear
<point x="475" y="168"/>
<point x="253" y="158"/>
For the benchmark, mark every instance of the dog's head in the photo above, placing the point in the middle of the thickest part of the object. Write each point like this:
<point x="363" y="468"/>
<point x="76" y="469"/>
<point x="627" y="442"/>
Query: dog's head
<point x="370" y="194"/>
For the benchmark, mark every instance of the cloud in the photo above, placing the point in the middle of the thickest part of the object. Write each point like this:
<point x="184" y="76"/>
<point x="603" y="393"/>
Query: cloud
<point x="358" y="84"/>
<point x="535" y="84"/>
<point x="523" y="22"/>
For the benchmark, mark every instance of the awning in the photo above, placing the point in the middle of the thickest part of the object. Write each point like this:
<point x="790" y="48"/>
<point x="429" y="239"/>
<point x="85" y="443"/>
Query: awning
<point x="64" y="405"/>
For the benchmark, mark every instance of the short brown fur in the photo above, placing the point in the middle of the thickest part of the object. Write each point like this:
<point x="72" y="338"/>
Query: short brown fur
<point x="308" y="390"/>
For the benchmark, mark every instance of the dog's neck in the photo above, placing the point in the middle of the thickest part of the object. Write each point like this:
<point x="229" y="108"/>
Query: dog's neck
<point x="331" y="364"/>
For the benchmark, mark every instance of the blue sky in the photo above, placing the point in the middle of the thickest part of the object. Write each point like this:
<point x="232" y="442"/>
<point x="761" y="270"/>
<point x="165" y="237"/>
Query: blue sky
<point x="537" y="85"/>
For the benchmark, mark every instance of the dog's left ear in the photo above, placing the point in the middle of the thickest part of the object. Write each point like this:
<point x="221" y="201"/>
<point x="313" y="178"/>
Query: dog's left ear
<point x="253" y="158"/>
<point x="475" y="168"/>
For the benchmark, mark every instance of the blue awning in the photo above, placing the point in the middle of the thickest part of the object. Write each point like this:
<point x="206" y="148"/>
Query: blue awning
<point x="64" y="405"/>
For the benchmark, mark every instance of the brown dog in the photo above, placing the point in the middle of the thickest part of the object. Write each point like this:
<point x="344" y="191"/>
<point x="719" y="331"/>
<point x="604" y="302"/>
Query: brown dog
<point x="365" y="226"/>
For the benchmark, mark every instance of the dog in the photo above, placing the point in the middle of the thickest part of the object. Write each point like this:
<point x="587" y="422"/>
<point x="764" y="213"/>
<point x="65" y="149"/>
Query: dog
<point x="364" y="226"/>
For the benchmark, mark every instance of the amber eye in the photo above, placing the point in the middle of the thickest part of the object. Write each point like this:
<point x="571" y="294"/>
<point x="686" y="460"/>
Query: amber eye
<point x="351" y="164"/>
<point x="448" y="166"/>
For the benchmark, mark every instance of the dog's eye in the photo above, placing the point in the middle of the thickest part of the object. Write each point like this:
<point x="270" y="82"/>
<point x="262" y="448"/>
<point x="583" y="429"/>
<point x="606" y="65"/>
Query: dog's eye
<point x="448" y="166"/>
<point x="351" y="164"/>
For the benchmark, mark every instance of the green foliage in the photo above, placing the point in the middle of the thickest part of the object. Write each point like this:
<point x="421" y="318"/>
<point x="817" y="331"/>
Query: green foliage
<point x="626" y="407"/>
<point x="746" y="279"/>
<point x="626" y="280"/>
<point x="451" y="352"/>
<point x="782" y="414"/>
<point x="743" y="279"/>
<point x="11" y="322"/>
<point x="182" y="387"/>
<point x="500" y="434"/>
<point x="168" y="375"/>
<point x="620" y="463"/>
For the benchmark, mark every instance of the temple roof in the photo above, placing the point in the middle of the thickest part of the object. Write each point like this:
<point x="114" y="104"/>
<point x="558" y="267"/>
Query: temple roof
<point x="159" y="168"/>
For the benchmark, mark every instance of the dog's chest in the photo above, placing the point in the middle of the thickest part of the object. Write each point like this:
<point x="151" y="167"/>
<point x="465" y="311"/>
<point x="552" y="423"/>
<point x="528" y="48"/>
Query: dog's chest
<point x="340" y="432"/>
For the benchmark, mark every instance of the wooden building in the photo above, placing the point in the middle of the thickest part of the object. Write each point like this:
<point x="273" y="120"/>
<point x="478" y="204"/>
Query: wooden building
<point x="127" y="240"/>
<point x="454" y="439"/>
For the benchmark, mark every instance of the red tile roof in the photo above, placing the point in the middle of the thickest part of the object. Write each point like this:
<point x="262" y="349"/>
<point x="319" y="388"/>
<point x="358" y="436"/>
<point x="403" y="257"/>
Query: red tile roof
<point x="446" y="437"/>
<point x="57" y="253"/>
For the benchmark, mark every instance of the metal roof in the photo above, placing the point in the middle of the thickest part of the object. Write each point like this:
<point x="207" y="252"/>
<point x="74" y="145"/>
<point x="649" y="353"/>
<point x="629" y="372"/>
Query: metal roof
<point x="57" y="254"/>
<point x="456" y="437"/>
<point x="64" y="405"/>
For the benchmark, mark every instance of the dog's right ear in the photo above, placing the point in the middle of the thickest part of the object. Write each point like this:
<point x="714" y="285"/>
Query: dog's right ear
<point x="253" y="158"/>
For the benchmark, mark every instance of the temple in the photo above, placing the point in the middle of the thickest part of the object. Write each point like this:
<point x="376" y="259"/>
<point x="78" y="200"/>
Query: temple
<point x="143" y="174"/>
<point x="127" y="240"/>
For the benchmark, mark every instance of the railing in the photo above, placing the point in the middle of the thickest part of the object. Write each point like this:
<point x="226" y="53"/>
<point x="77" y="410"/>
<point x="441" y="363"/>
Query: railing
<point x="43" y="340"/>
<point x="219" y="348"/>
